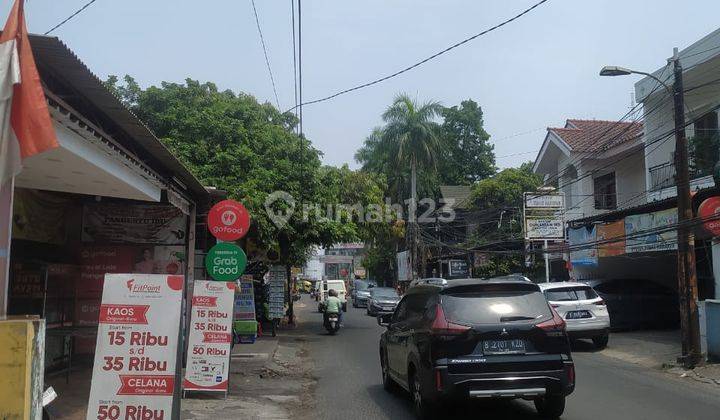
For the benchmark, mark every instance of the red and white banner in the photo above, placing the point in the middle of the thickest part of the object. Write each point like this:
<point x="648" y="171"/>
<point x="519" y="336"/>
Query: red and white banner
<point x="134" y="371"/>
<point x="208" y="359"/>
<point x="25" y="125"/>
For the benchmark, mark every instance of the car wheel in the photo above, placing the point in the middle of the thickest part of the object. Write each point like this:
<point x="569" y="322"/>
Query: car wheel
<point x="388" y="383"/>
<point x="422" y="407"/>
<point x="367" y="311"/>
<point x="601" y="342"/>
<point x="550" y="406"/>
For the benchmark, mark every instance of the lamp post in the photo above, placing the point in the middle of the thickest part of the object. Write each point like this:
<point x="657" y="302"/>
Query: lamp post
<point x="687" y="277"/>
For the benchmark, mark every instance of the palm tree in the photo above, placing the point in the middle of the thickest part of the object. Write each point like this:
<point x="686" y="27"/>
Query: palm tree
<point x="411" y="133"/>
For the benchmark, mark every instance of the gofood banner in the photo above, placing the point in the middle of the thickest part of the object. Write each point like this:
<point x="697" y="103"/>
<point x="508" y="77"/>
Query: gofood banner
<point x="134" y="370"/>
<point x="208" y="355"/>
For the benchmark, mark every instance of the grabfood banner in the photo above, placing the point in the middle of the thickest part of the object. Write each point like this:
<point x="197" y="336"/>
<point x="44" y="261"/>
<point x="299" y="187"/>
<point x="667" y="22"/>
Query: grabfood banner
<point x="134" y="370"/>
<point x="208" y="355"/>
<point x="138" y="223"/>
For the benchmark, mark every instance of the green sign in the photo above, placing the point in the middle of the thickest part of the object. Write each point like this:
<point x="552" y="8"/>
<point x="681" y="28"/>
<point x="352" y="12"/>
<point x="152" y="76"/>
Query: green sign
<point x="225" y="262"/>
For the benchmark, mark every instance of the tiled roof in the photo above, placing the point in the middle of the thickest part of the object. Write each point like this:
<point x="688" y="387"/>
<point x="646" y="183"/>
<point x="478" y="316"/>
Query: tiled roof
<point x="597" y="135"/>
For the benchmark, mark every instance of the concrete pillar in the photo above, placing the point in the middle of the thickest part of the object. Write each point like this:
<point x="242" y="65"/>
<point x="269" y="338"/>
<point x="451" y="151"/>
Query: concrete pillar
<point x="715" y="251"/>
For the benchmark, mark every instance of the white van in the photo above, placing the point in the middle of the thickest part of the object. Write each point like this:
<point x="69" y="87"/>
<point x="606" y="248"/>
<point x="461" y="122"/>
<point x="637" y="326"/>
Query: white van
<point x="338" y="286"/>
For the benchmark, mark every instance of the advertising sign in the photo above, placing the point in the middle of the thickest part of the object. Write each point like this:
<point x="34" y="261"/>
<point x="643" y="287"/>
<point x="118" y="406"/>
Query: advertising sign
<point x="583" y="238"/>
<point x="403" y="265"/>
<point x="277" y="280"/>
<point x="709" y="211"/>
<point x="458" y="268"/>
<point x="139" y="223"/>
<point x="609" y="231"/>
<point x="649" y="223"/>
<point x="228" y="220"/>
<point x="134" y="370"/>
<point x="208" y="354"/>
<point x="544" y="215"/>
<point x="245" y="301"/>
<point x="225" y="262"/>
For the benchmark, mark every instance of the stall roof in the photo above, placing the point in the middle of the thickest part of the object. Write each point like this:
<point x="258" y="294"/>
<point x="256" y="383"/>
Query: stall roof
<point x="64" y="74"/>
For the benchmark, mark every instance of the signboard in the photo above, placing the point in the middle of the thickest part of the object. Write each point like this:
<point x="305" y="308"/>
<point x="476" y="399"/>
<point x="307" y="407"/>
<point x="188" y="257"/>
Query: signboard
<point x="583" y="250"/>
<point x="636" y="224"/>
<point x="709" y="211"/>
<point x="277" y="279"/>
<point x="228" y="220"/>
<point x="610" y="231"/>
<point x="208" y="354"/>
<point x="458" y="269"/>
<point x="544" y="215"/>
<point x="245" y="301"/>
<point x="139" y="224"/>
<point x="336" y="259"/>
<point x="225" y="262"/>
<point x="134" y="371"/>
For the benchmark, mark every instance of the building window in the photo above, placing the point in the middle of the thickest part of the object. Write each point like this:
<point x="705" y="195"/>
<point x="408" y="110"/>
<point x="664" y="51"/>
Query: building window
<point x="605" y="194"/>
<point x="703" y="145"/>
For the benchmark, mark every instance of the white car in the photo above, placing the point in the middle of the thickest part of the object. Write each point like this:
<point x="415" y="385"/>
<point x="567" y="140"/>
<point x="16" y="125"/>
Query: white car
<point x="584" y="312"/>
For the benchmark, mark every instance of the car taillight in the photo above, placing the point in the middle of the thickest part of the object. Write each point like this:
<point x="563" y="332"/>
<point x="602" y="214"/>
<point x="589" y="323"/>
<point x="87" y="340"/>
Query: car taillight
<point x="555" y="326"/>
<point x="554" y="305"/>
<point x="441" y="326"/>
<point x="600" y="302"/>
<point x="438" y="381"/>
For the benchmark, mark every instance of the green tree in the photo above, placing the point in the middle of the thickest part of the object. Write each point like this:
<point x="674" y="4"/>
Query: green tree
<point x="467" y="156"/>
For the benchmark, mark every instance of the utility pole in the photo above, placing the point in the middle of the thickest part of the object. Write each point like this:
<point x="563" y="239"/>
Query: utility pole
<point x="687" y="276"/>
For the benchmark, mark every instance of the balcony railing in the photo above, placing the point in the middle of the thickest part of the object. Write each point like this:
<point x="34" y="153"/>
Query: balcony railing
<point x="663" y="176"/>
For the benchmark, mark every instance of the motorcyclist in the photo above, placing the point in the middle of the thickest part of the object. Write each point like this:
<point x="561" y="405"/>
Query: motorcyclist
<point x="333" y="305"/>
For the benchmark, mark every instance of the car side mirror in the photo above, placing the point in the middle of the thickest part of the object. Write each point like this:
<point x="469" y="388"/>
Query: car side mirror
<point x="384" y="320"/>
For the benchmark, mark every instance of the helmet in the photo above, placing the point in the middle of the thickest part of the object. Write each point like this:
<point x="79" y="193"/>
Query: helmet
<point x="332" y="292"/>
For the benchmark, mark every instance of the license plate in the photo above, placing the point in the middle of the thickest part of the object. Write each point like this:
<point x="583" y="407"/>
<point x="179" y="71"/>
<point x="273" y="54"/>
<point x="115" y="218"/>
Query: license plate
<point x="504" y="346"/>
<point x="577" y="314"/>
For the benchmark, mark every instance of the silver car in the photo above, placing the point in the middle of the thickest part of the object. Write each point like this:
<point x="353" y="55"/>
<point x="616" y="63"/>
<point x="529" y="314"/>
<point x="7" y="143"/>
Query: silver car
<point x="383" y="300"/>
<point x="584" y="312"/>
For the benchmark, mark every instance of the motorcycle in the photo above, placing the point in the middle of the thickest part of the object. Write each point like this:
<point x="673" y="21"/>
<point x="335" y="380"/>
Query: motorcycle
<point x="332" y="323"/>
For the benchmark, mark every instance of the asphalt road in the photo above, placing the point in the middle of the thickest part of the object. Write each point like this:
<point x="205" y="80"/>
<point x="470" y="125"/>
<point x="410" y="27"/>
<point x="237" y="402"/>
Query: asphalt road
<point x="349" y="384"/>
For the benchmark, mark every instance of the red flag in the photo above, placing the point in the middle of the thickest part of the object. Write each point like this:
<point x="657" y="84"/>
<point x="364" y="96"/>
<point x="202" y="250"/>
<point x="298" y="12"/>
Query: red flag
<point x="25" y="125"/>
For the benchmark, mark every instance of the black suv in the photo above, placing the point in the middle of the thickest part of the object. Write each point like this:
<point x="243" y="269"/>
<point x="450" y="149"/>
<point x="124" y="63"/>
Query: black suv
<point x="473" y="338"/>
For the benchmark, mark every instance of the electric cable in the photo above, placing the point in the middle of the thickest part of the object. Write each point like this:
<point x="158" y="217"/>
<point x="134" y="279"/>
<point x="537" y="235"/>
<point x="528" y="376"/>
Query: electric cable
<point x="77" y="12"/>
<point x="264" y="47"/>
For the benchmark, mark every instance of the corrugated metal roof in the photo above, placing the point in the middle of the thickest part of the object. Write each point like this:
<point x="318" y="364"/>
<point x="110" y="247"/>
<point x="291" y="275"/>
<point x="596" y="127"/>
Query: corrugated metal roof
<point x="66" y="75"/>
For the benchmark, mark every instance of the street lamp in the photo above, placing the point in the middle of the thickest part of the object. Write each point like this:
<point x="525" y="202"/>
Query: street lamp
<point x="687" y="277"/>
<point x="622" y="71"/>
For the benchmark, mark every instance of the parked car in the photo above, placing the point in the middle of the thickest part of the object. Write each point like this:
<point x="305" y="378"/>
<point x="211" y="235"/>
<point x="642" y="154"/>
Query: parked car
<point x="382" y="301"/>
<point x="477" y="338"/>
<point x="361" y="293"/>
<point x="338" y="286"/>
<point x="584" y="312"/>
<point x="638" y="303"/>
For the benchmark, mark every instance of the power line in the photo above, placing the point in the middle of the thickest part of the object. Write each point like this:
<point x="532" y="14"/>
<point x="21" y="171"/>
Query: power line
<point x="517" y="154"/>
<point x="295" y="66"/>
<point x="267" y="60"/>
<point x="421" y="62"/>
<point x="300" y="64"/>
<point x="77" y="12"/>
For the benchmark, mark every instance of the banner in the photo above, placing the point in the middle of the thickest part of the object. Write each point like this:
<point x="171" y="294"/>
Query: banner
<point x="137" y="223"/>
<point x="39" y="216"/>
<point x="610" y="231"/>
<point x="579" y="237"/>
<point x="277" y="280"/>
<point x="137" y="339"/>
<point x="209" y="344"/>
<point x="652" y="241"/>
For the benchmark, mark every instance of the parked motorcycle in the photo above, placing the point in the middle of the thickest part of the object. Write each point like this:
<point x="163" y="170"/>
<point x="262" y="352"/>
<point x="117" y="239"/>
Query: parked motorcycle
<point x="332" y="323"/>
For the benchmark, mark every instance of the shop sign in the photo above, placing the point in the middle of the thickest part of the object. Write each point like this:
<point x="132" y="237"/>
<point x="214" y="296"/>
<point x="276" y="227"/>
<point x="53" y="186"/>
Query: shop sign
<point x="225" y="262"/>
<point x="228" y="220"/>
<point x="208" y="355"/>
<point x="636" y="224"/>
<point x="458" y="269"/>
<point x="544" y="215"/>
<point x="609" y="231"/>
<point x="133" y="223"/>
<point x="709" y="211"/>
<point x="134" y="370"/>
<point x="245" y="301"/>
<point x="583" y="248"/>
<point x="277" y="279"/>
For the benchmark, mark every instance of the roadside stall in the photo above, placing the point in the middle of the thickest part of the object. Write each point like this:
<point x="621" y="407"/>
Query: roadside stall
<point x="96" y="204"/>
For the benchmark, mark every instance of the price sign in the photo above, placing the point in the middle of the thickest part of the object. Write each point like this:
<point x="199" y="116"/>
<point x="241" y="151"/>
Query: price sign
<point x="134" y="370"/>
<point x="208" y="356"/>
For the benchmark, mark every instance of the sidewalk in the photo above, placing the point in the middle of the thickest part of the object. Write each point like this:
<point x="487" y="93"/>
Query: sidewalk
<point x="269" y="379"/>
<point x="657" y="349"/>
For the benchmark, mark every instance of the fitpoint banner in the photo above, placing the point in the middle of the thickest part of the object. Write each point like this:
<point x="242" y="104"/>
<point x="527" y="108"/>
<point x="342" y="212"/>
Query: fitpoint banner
<point x="134" y="370"/>
<point x="208" y="355"/>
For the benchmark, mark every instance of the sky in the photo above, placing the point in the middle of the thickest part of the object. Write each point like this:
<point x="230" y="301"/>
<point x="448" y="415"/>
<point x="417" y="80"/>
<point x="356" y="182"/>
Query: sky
<point x="531" y="74"/>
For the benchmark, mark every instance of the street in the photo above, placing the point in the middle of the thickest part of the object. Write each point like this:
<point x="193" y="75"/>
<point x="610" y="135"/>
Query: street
<point x="349" y="382"/>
